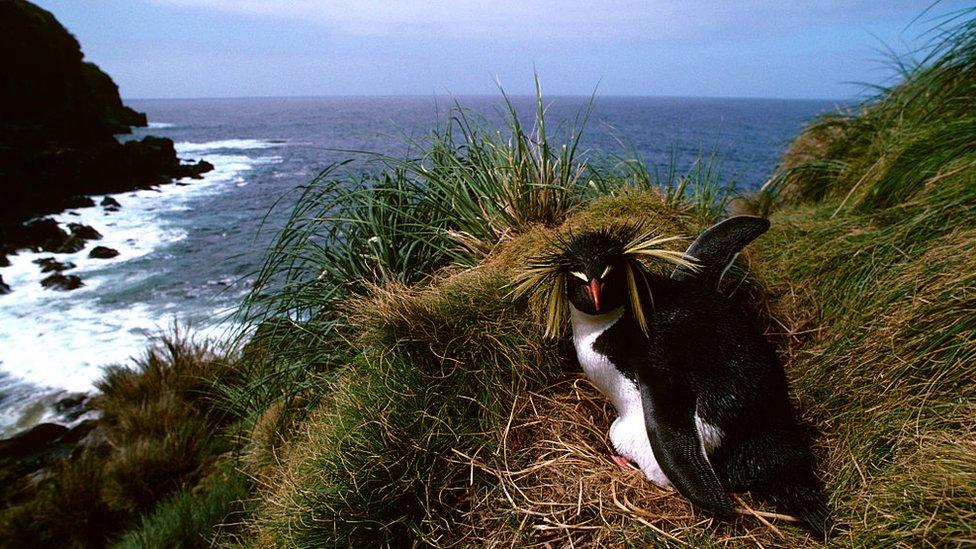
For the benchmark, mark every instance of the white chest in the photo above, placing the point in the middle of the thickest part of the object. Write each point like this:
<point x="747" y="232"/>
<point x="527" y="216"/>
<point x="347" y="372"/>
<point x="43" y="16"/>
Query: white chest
<point x="621" y="391"/>
<point x="630" y="432"/>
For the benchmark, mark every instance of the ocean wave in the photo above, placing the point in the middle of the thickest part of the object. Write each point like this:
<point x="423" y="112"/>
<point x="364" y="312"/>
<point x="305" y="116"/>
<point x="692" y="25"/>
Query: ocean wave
<point x="160" y="125"/>
<point x="184" y="147"/>
<point x="58" y="341"/>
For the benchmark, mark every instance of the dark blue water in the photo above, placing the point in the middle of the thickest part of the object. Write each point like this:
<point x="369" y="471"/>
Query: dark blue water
<point x="187" y="250"/>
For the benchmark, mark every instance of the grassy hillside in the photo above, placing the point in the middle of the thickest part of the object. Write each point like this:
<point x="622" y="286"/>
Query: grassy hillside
<point x="871" y="277"/>
<point x="390" y="389"/>
<point x="450" y="420"/>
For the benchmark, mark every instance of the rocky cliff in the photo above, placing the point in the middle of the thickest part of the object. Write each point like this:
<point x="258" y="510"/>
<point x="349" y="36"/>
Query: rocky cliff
<point x="58" y="118"/>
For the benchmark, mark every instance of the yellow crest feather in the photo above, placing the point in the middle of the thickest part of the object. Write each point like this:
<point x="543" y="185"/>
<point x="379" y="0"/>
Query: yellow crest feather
<point x="544" y="280"/>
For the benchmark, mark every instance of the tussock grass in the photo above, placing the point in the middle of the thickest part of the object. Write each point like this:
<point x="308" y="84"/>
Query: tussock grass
<point x="162" y="432"/>
<point x="67" y="512"/>
<point x="470" y="189"/>
<point x="869" y="273"/>
<point x="457" y="423"/>
<point x="373" y="463"/>
<point x="909" y="136"/>
<point x="161" y="420"/>
<point x="883" y="351"/>
<point x="701" y="191"/>
<point x="197" y="517"/>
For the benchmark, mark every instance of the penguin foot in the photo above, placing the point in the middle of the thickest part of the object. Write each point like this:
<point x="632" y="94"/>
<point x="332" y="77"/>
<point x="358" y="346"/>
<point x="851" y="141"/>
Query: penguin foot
<point x="624" y="463"/>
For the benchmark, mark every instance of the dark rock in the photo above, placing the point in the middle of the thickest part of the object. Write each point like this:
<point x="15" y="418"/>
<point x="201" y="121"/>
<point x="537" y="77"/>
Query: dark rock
<point x="49" y="265"/>
<point x="110" y="202"/>
<point x="84" y="232"/>
<point x="80" y="431"/>
<point x="35" y="440"/>
<point x="196" y="171"/>
<point x="4" y="288"/>
<point x="58" y="281"/>
<point x="71" y="406"/>
<point x="53" y="89"/>
<point x="28" y="458"/>
<point x="79" y="202"/>
<point x="69" y="401"/>
<point x="71" y="245"/>
<point x="103" y="252"/>
<point x="4" y="262"/>
<point x="43" y="234"/>
<point x="40" y="234"/>
<point x="44" y="230"/>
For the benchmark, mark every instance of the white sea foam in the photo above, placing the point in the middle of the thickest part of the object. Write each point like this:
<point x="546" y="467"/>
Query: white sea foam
<point x="62" y="340"/>
<point x="160" y="125"/>
<point x="185" y="147"/>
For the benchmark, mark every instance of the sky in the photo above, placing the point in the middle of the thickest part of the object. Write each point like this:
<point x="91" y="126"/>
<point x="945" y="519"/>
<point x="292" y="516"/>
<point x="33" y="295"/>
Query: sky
<point x="818" y="49"/>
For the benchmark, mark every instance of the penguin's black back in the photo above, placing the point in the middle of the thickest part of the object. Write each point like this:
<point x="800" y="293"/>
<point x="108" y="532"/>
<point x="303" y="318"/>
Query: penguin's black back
<point x="715" y="347"/>
<point x="719" y="350"/>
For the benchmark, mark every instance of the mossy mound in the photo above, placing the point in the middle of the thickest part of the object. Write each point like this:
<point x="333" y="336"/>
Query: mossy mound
<point x="457" y="422"/>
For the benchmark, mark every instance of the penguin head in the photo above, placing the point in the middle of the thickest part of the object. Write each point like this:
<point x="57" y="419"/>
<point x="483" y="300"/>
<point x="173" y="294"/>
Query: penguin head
<point x="594" y="268"/>
<point x="597" y="271"/>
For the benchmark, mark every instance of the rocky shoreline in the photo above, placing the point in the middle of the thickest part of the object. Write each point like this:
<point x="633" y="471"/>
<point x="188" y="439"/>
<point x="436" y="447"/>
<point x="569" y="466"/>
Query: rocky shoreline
<point x="59" y="118"/>
<point x="59" y="121"/>
<point x="31" y="457"/>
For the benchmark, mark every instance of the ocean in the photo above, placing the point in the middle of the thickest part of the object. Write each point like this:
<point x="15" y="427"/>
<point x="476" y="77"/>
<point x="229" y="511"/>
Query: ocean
<point x="187" y="250"/>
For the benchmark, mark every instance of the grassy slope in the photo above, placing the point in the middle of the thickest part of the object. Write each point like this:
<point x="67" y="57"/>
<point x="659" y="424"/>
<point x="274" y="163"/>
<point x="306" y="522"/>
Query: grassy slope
<point x="871" y="273"/>
<point x="866" y="282"/>
<point x="161" y="445"/>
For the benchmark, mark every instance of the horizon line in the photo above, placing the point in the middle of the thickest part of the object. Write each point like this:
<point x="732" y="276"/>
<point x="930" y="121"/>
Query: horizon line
<point x="853" y="99"/>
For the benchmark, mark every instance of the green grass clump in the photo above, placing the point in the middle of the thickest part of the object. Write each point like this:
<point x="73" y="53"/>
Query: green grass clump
<point x="196" y="516"/>
<point x="870" y="272"/>
<point x="883" y="350"/>
<point x="160" y="429"/>
<point x="162" y="422"/>
<point x="375" y="462"/>
<point x="908" y="137"/>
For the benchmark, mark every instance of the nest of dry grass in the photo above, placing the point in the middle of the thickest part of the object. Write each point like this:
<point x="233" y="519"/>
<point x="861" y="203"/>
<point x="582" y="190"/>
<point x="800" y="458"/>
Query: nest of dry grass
<point x="556" y="486"/>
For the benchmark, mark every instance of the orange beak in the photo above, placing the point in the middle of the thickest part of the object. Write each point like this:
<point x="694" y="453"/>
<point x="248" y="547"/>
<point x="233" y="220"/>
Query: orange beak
<point x="594" y="291"/>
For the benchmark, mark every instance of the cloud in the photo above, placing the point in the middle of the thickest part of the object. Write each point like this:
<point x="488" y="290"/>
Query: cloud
<point x="547" y="20"/>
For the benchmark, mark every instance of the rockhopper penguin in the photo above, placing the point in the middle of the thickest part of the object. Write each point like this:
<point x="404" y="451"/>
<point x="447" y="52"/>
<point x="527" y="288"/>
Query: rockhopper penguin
<point x="701" y="397"/>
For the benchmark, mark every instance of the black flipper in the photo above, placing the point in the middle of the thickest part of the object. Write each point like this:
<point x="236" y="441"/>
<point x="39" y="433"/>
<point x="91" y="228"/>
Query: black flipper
<point x="716" y="248"/>
<point x="669" y="414"/>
